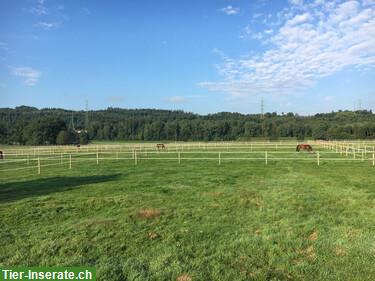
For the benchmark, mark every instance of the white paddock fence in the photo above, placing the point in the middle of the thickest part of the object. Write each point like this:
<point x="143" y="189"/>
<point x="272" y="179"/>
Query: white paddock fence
<point x="39" y="158"/>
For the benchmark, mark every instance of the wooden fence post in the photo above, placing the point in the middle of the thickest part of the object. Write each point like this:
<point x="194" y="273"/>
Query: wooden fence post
<point x="70" y="161"/>
<point x="219" y="158"/>
<point x="28" y="159"/>
<point x="373" y="159"/>
<point x="266" y="158"/>
<point x="179" y="158"/>
<point x="97" y="157"/>
<point x="318" y="158"/>
<point x="61" y="158"/>
<point x="38" y="166"/>
<point x="135" y="158"/>
<point x="363" y="158"/>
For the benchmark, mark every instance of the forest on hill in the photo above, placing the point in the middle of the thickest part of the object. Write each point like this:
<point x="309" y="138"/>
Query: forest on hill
<point x="33" y="126"/>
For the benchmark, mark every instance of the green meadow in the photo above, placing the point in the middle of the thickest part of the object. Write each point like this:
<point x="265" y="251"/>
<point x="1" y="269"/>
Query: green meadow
<point x="157" y="220"/>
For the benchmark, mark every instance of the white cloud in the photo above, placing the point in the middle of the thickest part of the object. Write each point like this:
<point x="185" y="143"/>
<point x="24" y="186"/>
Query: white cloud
<point x="31" y="76"/>
<point x="48" y="25"/>
<point x="39" y="8"/>
<point x="229" y="10"/>
<point x="306" y="46"/>
<point x="176" y="99"/>
<point x="298" y="19"/>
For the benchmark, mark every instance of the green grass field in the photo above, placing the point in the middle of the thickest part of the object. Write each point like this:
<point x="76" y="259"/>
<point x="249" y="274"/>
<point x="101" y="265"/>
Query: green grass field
<point x="159" y="220"/>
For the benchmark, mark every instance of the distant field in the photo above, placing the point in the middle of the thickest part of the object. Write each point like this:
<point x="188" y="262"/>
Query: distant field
<point x="197" y="220"/>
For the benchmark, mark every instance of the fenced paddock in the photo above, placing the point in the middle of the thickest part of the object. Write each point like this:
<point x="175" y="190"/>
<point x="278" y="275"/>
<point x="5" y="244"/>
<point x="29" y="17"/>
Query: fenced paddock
<point x="263" y="153"/>
<point x="193" y="211"/>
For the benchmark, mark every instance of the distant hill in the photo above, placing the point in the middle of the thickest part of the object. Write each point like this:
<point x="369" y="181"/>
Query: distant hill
<point x="30" y="125"/>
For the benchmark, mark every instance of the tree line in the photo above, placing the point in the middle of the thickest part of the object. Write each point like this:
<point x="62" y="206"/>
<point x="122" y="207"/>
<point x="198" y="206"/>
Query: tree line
<point x="31" y="126"/>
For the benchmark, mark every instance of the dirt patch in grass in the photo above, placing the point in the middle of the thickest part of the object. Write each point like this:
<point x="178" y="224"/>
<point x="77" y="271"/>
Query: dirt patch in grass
<point x="352" y="232"/>
<point x="149" y="213"/>
<point x="309" y="252"/>
<point x="313" y="236"/>
<point x="152" y="235"/>
<point x="340" y="251"/>
<point x="184" y="277"/>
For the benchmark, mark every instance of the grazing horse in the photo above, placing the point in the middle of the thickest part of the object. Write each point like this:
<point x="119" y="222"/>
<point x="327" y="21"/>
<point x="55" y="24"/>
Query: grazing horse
<point x="304" y="147"/>
<point x="160" y="146"/>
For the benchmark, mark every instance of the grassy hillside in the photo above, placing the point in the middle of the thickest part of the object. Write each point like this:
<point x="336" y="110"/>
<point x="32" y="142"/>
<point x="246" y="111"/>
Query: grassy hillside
<point x="194" y="221"/>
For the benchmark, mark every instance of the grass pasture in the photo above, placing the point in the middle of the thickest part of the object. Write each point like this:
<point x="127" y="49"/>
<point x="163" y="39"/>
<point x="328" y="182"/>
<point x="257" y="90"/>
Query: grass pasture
<point x="160" y="220"/>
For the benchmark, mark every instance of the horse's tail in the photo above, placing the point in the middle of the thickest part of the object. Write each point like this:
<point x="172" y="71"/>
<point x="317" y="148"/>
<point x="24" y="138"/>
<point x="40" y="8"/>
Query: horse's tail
<point x="297" y="148"/>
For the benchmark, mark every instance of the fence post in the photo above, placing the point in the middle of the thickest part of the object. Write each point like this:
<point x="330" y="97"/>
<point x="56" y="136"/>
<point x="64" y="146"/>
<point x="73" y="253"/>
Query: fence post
<point x="318" y="158"/>
<point x="61" y="158"/>
<point x="28" y="159"/>
<point x="135" y="157"/>
<point x="116" y="155"/>
<point x="179" y="158"/>
<point x="38" y="166"/>
<point x="70" y="161"/>
<point x="373" y="159"/>
<point x="219" y="158"/>
<point x="266" y="158"/>
<point x="363" y="159"/>
<point x="97" y="157"/>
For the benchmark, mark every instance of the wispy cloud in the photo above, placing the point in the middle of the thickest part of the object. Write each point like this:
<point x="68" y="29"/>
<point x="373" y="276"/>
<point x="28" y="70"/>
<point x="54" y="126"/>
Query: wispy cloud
<point x="48" y="25"/>
<point x="4" y="46"/>
<point x="49" y="16"/>
<point x="30" y="75"/>
<point x="115" y="99"/>
<point x="39" y="8"/>
<point x="229" y="10"/>
<point x="176" y="99"/>
<point x="314" y="40"/>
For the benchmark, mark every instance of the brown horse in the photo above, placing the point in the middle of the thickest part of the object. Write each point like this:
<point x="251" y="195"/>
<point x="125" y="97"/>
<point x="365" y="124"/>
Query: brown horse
<point x="160" y="146"/>
<point x="304" y="147"/>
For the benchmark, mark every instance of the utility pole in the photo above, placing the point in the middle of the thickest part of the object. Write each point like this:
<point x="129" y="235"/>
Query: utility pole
<point x="72" y="121"/>
<point x="87" y="117"/>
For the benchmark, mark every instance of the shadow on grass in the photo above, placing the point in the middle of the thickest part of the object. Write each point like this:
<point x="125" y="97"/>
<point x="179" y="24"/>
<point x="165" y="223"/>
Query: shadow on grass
<point x="19" y="190"/>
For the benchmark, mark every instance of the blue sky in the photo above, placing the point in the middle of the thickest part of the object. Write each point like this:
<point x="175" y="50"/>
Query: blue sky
<point x="199" y="56"/>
